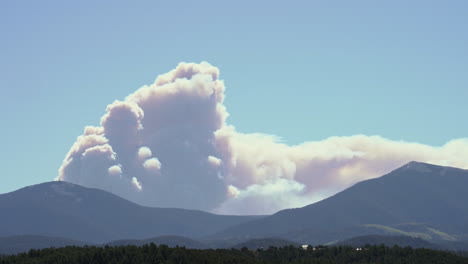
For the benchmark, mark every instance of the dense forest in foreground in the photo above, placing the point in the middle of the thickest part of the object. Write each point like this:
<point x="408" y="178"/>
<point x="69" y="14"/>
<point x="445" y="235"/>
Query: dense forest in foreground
<point x="152" y="253"/>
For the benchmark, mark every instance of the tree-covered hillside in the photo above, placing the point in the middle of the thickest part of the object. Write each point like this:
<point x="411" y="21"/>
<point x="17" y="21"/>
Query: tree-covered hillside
<point x="290" y="254"/>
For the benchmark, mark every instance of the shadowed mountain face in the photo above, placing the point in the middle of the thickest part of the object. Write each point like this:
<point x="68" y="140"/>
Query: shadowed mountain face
<point x="18" y="244"/>
<point x="61" y="209"/>
<point x="414" y="193"/>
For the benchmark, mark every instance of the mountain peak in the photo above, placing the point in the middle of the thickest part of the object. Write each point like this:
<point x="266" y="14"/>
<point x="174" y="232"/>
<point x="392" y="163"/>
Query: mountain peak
<point x="59" y="187"/>
<point x="54" y="185"/>
<point x="65" y="189"/>
<point x="415" y="193"/>
<point x="63" y="209"/>
<point x="421" y="167"/>
<point x="418" y="166"/>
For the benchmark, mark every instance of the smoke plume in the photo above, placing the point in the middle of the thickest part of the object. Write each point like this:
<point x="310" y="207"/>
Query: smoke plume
<point x="168" y="145"/>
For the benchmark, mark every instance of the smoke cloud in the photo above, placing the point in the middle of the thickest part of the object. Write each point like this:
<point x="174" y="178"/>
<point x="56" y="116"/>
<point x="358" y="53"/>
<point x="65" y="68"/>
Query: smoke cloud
<point x="169" y="145"/>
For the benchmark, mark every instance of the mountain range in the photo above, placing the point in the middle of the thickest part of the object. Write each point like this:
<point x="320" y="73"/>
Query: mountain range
<point x="419" y="200"/>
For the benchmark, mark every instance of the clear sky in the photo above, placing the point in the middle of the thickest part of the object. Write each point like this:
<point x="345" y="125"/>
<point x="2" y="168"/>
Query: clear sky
<point x="302" y="70"/>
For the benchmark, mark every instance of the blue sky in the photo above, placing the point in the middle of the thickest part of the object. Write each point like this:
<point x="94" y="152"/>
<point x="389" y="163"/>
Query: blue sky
<point x="302" y="70"/>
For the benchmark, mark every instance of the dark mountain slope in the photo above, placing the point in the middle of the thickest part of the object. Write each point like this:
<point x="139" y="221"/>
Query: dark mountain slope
<point x="17" y="244"/>
<point x="61" y="209"/>
<point x="414" y="193"/>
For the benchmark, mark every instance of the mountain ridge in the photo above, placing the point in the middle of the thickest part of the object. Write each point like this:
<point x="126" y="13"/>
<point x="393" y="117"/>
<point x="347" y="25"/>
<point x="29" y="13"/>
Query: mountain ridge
<point x="61" y="209"/>
<point x="17" y="244"/>
<point x="415" y="192"/>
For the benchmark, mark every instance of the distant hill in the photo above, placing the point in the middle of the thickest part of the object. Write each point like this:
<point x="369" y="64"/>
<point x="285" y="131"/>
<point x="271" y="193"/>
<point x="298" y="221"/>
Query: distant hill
<point x="402" y="241"/>
<point x="415" y="193"/>
<point x="265" y="243"/>
<point x="171" y="241"/>
<point x="61" y="209"/>
<point x="456" y="245"/>
<point x="18" y="244"/>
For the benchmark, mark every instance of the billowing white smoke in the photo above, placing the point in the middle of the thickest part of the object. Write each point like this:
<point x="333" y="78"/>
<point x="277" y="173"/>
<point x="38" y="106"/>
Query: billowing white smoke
<point x="168" y="145"/>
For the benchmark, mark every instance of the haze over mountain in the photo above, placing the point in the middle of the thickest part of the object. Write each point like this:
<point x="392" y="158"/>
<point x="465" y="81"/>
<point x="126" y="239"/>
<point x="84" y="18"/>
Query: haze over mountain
<point x="61" y="209"/>
<point x="415" y="193"/>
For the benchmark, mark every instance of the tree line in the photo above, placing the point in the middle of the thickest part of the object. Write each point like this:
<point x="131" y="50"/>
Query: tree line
<point x="152" y="253"/>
